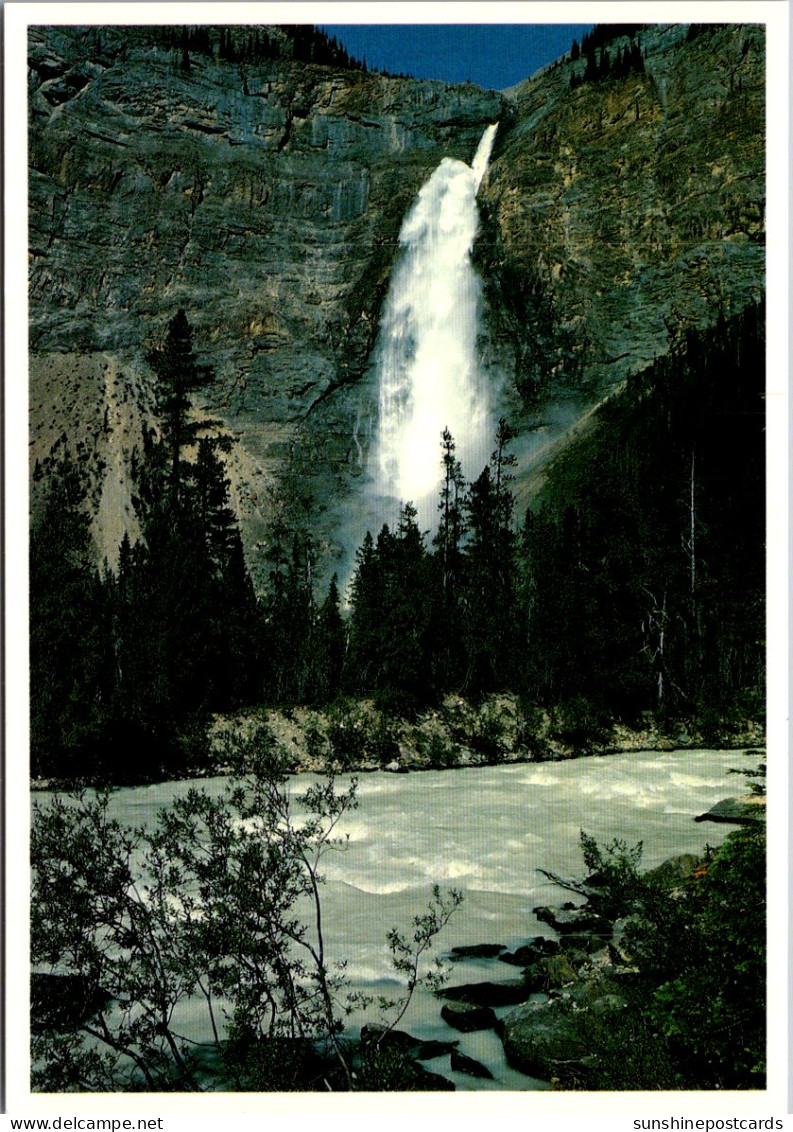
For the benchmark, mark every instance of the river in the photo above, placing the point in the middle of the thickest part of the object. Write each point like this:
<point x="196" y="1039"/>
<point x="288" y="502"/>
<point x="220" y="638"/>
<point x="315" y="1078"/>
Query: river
<point x="485" y="831"/>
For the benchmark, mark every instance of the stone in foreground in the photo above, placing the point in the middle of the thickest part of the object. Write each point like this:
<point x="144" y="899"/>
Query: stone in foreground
<point x="462" y="1064"/>
<point x="736" y="811"/>
<point x="477" y="951"/>
<point x="537" y="1039"/>
<point x="488" y="994"/>
<point x="467" y="1018"/>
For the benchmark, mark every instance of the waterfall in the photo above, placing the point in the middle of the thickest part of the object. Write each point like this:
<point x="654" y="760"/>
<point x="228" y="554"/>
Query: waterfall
<point x="428" y="369"/>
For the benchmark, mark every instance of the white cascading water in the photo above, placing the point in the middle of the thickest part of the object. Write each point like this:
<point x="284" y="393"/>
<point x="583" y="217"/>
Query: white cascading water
<point x="428" y="369"/>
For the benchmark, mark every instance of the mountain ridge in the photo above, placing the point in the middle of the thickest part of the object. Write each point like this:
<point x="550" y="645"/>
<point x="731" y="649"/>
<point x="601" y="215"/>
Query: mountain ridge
<point x="265" y="199"/>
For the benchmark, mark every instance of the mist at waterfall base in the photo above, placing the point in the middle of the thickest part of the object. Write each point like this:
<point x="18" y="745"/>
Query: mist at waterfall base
<point x="426" y="360"/>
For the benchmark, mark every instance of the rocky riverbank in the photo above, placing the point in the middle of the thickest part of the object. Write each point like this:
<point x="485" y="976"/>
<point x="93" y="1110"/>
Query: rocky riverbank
<point x="356" y="735"/>
<point x="579" y="1013"/>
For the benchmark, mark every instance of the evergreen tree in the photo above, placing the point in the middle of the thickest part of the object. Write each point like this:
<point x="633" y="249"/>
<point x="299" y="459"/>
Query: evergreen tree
<point x="491" y="615"/>
<point x="363" y="611"/>
<point x="290" y="616"/>
<point x="405" y="645"/>
<point x="70" y="665"/>
<point x="330" y="646"/>
<point x="179" y="375"/>
<point x="448" y="568"/>
<point x="644" y="557"/>
<point x="451" y="526"/>
<point x="391" y="614"/>
<point x="184" y="612"/>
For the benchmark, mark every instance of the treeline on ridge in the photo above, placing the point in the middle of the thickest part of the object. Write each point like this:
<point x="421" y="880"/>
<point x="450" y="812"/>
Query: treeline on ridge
<point x="628" y="60"/>
<point x="244" y="43"/>
<point x="634" y="583"/>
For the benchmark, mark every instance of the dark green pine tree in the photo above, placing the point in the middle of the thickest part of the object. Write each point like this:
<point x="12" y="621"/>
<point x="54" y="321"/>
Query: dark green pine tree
<point x="405" y="651"/>
<point x="330" y="646"/>
<point x="179" y="375"/>
<point x="302" y="613"/>
<point x="645" y="561"/>
<point x="491" y="613"/>
<point x="184" y="613"/>
<point x="447" y="565"/>
<point x="70" y="658"/>
<point x="451" y="520"/>
<point x="289" y="616"/>
<point x="365" y="614"/>
<point x="390" y="621"/>
<point x="232" y="610"/>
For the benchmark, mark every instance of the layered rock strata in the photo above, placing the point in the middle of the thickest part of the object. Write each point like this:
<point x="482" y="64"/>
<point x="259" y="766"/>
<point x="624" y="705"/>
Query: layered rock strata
<point x="265" y="199"/>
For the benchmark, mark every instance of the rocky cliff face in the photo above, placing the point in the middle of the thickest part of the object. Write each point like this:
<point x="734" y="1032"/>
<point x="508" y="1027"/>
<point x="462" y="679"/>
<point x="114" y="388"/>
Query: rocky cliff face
<point x="265" y="199"/>
<point x="627" y="209"/>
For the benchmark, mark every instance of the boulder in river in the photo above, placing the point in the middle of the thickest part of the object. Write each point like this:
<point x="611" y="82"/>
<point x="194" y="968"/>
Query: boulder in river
<point x="570" y="919"/>
<point x="477" y="951"/>
<point x="467" y="1018"/>
<point x="674" y="870"/>
<point x="538" y="1039"/>
<point x="373" y="1034"/>
<point x="599" y="993"/>
<point x="736" y="811"/>
<point x="531" y="952"/>
<point x="432" y="1048"/>
<point x="387" y="1061"/>
<point x="462" y="1064"/>
<point x="488" y="994"/>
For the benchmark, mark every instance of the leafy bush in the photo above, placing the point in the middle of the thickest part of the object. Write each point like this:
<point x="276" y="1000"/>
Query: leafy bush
<point x="438" y="750"/>
<point x="218" y="906"/>
<point x="353" y="735"/>
<point x="613" y="887"/>
<point x="698" y="946"/>
<point x="347" y="734"/>
<point x="531" y="730"/>
<point x="383" y="741"/>
<point x="712" y="1007"/>
<point x="482" y="728"/>
<point x="581" y="723"/>
<point x="630" y="1049"/>
<point x="488" y="736"/>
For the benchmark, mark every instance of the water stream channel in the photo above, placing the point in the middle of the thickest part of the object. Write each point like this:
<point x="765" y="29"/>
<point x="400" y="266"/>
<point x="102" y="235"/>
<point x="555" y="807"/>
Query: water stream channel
<point x="485" y="831"/>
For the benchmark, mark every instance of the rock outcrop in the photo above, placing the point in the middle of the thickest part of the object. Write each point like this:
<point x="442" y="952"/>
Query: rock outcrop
<point x="467" y="1018"/>
<point x="625" y="210"/>
<point x="749" y="810"/>
<point x="538" y="1039"/>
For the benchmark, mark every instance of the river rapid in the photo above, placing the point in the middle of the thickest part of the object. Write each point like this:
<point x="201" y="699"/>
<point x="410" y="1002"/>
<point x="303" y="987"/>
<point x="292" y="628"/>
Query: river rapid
<point x="485" y="831"/>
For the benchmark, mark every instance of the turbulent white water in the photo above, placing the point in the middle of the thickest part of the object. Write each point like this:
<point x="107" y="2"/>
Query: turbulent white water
<point x="486" y="831"/>
<point x="427" y="363"/>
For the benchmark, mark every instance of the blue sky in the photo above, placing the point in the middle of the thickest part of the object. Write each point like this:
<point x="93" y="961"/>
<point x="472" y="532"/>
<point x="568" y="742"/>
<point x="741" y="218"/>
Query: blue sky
<point x="491" y="55"/>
